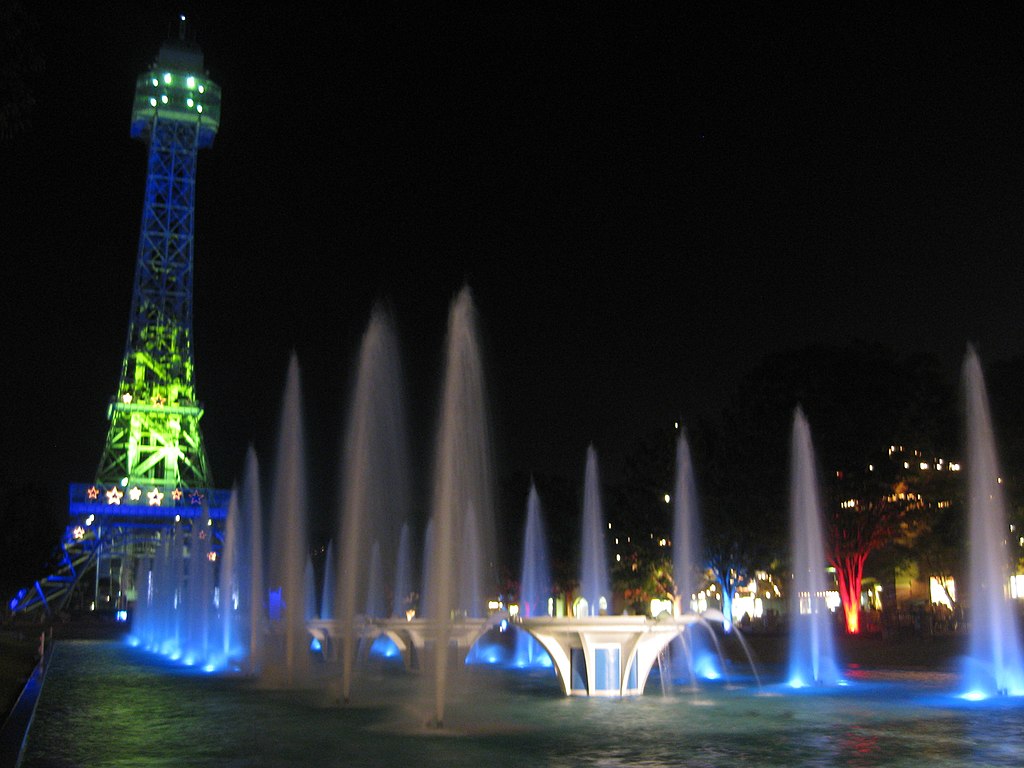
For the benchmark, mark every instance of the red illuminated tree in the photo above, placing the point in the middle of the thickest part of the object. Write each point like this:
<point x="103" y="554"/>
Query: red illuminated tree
<point x="856" y="528"/>
<point x="901" y="497"/>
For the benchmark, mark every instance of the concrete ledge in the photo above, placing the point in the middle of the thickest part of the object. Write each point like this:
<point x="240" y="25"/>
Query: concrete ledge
<point x="15" y="728"/>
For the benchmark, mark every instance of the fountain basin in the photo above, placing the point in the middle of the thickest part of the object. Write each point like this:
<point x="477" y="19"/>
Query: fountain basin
<point x="185" y="717"/>
<point x="602" y="655"/>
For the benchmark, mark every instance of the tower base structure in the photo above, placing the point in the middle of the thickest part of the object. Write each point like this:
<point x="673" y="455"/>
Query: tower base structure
<point x="110" y="531"/>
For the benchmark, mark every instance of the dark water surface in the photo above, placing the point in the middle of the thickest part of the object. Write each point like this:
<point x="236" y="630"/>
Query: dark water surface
<point x="105" y="704"/>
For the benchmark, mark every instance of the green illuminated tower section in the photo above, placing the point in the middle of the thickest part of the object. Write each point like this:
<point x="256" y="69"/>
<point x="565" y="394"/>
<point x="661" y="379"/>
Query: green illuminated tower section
<point x="154" y="443"/>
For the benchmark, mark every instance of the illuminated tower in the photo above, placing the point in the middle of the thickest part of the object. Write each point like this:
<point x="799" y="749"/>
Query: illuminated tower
<point x="153" y="472"/>
<point x="154" y="438"/>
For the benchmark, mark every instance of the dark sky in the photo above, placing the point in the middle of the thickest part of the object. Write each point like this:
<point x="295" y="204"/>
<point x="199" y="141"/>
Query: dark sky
<point x="643" y="204"/>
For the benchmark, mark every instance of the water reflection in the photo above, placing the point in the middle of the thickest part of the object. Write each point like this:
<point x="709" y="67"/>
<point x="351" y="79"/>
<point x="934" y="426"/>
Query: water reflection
<point x="106" y="704"/>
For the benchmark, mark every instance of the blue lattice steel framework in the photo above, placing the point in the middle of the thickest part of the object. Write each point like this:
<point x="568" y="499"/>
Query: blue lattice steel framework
<point x="153" y="472"/>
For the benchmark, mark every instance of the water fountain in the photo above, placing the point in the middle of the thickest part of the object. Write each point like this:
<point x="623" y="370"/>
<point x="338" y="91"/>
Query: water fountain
<point x="534" y="582"/>
<point x="240" y="604"/>
<point x="228" y="589"/>
<point x="535" y="579"/>
<point x="375" y="495"/>
<point x="176" y="612"/>
<point x="404" y="599"/>
<point x="457" y="551"/>
<point x="462" y="507"/>
<point x="995" y="662"/>
<point x="686" y="547"/>
<point x="694" y="652"/>
<point x="459" y="554"/>
<point x="327" y="598"/>
<point x="286" y="660"/>
<point x="199" y="593"/>
<point x="812" y="657"/>
<point x="596" y="652"/>
<point x="310" y="606"/>
<point x="375" y="597"/>
<point x="595" y="586"/>
<point x="251" y="602"/>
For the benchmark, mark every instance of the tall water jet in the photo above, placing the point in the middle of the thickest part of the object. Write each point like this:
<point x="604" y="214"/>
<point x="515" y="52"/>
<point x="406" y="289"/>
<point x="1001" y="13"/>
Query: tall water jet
<point x="252" y="598"/>
<point x="374" y="489"/>
<point x="812" y="658"/>
<point x="594" y="579"/>
<point x="471" y="564"/>
<point x="241" y="573"/>
<point x="229" y="586"/>
<point x="462" y="495"/>
<point x="375" y="589"/>
<point x="199" y="592"/>
<point x="327" y="597"/>
<point x="686" y="546"/>
<point x="403" y="599"/>
<point x="310" y="609"/>
<point x="699" y="655"/>
<point x="156" y="621"/>
<point x="425" y="600"/>
<point x="288" y="543"/>
<point x="535" y="581"/>
<point x="176" y="613"/>
<point x="994" y="665"/>
<point x="177" y="574"/>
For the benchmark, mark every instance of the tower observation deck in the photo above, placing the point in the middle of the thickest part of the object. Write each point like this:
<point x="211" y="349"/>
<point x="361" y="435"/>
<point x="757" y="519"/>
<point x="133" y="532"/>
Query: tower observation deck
<point x="153" y="473"/>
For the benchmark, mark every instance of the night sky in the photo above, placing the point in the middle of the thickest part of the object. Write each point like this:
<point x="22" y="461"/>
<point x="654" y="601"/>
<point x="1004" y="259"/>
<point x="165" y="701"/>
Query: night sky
<point x="643" y="204"/>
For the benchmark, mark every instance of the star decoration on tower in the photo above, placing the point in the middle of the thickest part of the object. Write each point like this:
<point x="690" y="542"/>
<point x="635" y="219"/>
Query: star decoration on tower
<point x="155" y="497"/>
<point x="176" y="494"/>
<point x="93" y="493"/>
<point x="196" y="498"/>
<point x="135" y="493"/>
<point x="159" y="400"/>
<point x="114" y="496"/>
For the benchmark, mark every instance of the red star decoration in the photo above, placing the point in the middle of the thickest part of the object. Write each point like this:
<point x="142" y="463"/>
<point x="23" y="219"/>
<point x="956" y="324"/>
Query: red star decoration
<point x="176" y="494"/>
<point x="93" y="493"/>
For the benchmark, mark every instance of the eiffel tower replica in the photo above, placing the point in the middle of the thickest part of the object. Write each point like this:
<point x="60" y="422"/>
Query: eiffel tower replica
<point x="154" y="473"/>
